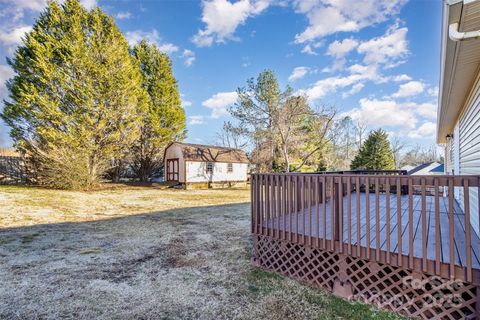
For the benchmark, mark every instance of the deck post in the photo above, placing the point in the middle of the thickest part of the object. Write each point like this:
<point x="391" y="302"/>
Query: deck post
<point x="336" y="203"/>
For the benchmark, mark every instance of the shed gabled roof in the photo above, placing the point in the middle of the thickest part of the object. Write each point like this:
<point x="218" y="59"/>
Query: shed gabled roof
<point x="206" y="153"/>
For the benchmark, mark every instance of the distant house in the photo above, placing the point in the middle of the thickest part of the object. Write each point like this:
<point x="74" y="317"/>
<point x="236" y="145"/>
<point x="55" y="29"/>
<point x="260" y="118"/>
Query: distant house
<point x="458" y="121"/>
<point x="203" y="166"/>
<point x="428" y="168"/>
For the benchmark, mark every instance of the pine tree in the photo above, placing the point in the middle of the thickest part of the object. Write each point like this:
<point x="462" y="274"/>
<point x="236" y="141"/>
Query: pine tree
<point x="164" y="118"/>
<point x="76" y="96"/>
<point x="375" y="153"/>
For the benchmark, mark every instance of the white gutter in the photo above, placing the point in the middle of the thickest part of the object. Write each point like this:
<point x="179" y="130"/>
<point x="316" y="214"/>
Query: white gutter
<point x="455" y="35"/>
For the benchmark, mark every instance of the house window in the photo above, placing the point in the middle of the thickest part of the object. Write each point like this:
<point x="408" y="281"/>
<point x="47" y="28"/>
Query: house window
<point x="209" y="167"/>
<point x="229" y="167"/>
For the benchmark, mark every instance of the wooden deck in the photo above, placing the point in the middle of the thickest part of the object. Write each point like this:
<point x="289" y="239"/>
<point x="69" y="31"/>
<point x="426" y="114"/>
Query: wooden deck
<point x="373" y="235"/>
<point x="310" y="223"/>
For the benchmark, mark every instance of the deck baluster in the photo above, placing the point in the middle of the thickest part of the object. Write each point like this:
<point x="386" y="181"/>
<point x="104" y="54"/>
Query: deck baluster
<point x="437" y="228"/>
<point x="332" y="214"/>
<point x="317" y="209"/>
<point x="451" y="217"/>
<point x="399" y="222"/>
<point x="387" y="207"/>
<point x="468" y="240"/>
<point x="324" y="211"/>
<point x="349" y="214"/>
<point x="340" y="215"/>
<point x="424" y="226"/>
<point x="377" y="219"/>
<point x="410" y="223"/>
<point x="367" y="213"/>
<point x="357" y="207"/>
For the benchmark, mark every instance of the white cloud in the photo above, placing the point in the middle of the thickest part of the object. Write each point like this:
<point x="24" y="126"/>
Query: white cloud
<point x="298" y="73"/>
<point x="89" y="4"/>
<point x="402" y="116"/>
<point x="426" y="130"/>
<point x="384" y="113"/>
<point x="222" y="18"/>
<point x="409" y="89"/>
<point x="308" y="49"/>
<point x="123" y="15"/>
<point x="193" y="120"/>
<point x="134" y="37"/>
<point x="219" y="103"/>
<point x="401" y="78"/>
<point x="39" y="5"/>
<point x="13" y="36"/>
<point x="331" y="16"/>
<point x="356" y="88"/>
<point x="20" y="5"/>
<point x="358" y="74"/>
<point x="5" y="73"/>
<point x="433" y="91"/>
<point x="339" y="49"/>
<point x="189" y="56"/>
<point x="427" y="110"/>
<point x="390" y="49"/>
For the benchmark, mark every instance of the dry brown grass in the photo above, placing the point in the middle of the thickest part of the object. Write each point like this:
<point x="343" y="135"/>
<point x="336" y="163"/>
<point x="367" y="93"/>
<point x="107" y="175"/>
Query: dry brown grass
<point x="23" y="206"/>
<point x="139" y="253"/>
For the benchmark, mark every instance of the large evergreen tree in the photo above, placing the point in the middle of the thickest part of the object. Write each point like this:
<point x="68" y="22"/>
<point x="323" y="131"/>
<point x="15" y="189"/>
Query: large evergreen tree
<point x="76" y="97"/>
<point x="375" y="153"/>
<point x="164" y="118"/>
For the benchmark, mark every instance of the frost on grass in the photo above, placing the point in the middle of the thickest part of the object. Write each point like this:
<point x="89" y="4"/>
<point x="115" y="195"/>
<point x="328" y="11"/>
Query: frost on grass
<point x="176" y="262"/>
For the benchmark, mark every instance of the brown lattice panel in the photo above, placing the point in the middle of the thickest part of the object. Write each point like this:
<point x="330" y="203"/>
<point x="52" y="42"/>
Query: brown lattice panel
<point x="410" y="293"/>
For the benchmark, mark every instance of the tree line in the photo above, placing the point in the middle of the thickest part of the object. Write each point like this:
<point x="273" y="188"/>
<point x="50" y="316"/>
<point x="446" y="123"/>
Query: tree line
<point x="286" y="133"/>
<point x="84" y="105"/>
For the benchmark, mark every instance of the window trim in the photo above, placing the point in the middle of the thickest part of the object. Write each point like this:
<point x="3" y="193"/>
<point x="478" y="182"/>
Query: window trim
<point x="229" y="167"/>
<point x="212" y="164"/>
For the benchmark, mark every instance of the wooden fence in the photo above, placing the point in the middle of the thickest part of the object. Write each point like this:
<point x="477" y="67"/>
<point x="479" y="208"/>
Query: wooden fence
<point x="406" y="221"/>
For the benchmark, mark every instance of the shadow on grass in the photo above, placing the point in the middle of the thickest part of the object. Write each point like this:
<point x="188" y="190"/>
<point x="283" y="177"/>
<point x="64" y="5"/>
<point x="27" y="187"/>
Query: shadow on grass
<point x="205" y="249"/>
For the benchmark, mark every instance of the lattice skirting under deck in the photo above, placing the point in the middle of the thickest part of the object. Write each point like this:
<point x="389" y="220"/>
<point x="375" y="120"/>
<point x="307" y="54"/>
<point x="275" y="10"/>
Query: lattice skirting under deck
<point x="410" y="293"/>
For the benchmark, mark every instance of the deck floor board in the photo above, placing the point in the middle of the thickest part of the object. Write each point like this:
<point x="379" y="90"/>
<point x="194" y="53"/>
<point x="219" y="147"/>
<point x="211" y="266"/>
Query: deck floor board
<point x="306" y="217"/>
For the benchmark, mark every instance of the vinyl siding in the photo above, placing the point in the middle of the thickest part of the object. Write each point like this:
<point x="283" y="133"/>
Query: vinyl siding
<point x="469" y="150"/>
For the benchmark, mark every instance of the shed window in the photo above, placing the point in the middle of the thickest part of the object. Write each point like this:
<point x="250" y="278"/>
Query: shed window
<point x="230" y="167"/>
<point x="209" y="167"/>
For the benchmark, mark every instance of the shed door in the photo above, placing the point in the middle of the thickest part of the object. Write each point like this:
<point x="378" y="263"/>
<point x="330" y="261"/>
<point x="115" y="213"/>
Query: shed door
<point x="469" y="153"/>
<point x="172" y="170"/>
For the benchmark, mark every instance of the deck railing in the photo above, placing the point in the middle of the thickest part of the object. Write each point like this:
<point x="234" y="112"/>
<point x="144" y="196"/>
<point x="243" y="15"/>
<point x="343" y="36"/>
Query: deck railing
<point x="371" y="216"/>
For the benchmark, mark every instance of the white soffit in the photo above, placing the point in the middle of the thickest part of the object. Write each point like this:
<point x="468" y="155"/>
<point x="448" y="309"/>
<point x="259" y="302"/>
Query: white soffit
<point x="460" y="63"/>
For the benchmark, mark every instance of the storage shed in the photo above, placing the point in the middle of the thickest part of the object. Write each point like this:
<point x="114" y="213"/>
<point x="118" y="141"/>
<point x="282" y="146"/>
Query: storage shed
<point x="204" y="166"/>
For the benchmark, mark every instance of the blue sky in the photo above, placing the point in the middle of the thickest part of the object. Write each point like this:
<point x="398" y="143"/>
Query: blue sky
<point x="375" y="60"/>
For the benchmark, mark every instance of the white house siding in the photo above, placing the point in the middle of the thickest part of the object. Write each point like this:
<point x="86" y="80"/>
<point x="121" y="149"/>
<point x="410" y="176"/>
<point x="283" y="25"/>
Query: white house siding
<point x="449" y="157"/>
<point x="173" y="152"/>
<point x="197" y="172"/>
<point x="469" y="149"/>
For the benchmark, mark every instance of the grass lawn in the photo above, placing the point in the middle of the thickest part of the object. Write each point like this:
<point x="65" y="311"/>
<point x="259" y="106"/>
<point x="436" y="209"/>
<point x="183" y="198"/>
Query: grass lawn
<point x="138" y="252"/>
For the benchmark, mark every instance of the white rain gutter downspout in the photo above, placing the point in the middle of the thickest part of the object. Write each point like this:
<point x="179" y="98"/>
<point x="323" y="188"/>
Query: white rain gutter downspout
<point x="455" y="35"/>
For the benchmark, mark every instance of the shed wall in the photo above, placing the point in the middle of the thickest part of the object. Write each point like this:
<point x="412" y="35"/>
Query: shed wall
<point x="197" y="172"/>
<point x="173" y="152"/>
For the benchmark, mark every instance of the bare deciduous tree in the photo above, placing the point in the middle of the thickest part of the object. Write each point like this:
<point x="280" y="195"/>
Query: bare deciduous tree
<point x="232" y="137"/>
<point x="397" y="146"/>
